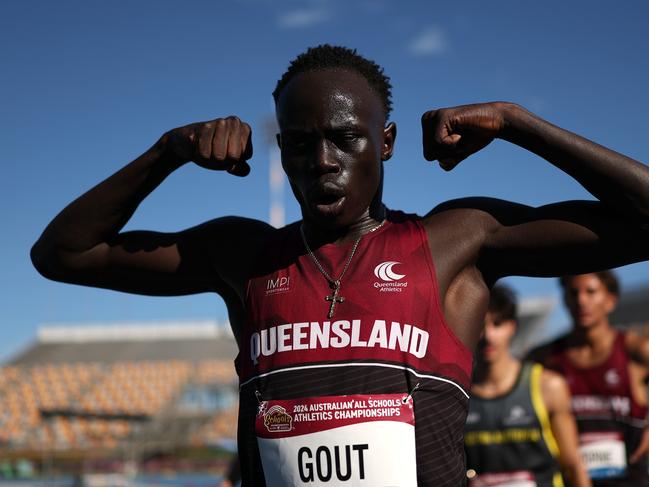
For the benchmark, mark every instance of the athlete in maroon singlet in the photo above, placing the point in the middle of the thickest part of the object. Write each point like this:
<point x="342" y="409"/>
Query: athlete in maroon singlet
<point x="606" y="371"/>
<point x="390" y="337"/>
<point x="355" y="324"/>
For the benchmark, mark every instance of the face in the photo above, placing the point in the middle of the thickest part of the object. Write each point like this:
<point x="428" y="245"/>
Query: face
<point x="333" y="139"/>
<point x="588" y="300"/>
<point x="497" y="337"/>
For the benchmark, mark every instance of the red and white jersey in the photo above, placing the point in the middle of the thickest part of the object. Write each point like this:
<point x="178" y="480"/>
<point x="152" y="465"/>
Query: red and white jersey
<point x="304" y="376"/>
<point x="610" y="420"/>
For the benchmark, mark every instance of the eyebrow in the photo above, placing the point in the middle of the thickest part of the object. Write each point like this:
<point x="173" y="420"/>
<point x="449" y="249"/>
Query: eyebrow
<point x="332" y="128"/>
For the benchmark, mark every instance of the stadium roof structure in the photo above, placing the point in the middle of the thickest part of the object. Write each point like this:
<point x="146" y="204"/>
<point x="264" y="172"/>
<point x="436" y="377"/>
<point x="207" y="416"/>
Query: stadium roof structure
<point x="119" y="342"/>
<point x="533" y="316"/>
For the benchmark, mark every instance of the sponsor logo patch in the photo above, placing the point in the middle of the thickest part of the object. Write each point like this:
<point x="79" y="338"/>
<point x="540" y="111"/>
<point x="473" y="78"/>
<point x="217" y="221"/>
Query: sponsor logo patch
<point x="278" y="285"/>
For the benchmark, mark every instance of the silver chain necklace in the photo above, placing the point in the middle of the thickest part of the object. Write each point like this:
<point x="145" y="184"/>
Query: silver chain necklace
<point x="334" y="284"/>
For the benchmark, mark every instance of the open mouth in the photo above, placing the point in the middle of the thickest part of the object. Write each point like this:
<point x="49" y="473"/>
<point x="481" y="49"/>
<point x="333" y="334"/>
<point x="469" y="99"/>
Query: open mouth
<point x="328" y="199"/>
<point x="330" y="206"/>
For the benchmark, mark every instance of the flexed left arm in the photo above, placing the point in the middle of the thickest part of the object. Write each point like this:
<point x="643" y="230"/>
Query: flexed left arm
<point x="560" y="238"/>
<point x="452" y="134"/>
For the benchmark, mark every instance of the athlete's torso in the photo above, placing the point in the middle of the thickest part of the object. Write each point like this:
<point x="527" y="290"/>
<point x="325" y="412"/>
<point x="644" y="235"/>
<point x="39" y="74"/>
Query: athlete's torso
<point x="508" y="438"/>
<point x="609" y="419"/>
<point x="387" y="338"/>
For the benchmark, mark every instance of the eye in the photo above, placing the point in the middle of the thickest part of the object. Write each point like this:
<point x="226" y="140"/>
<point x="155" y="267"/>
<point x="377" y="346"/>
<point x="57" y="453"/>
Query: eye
<point x="345" y="139"/>
<point x="296" y="142"/>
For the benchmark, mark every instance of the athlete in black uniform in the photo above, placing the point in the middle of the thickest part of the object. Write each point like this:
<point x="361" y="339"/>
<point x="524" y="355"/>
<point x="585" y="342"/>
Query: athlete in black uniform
<point x="520" y="430"/>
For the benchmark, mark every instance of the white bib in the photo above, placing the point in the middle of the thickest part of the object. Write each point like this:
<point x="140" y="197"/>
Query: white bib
<point x="604" y="454"/>
<point x="359" y="440"/>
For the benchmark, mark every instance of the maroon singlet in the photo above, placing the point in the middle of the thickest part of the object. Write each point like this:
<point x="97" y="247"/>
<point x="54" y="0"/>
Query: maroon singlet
<point x="387" y="339"/>
<point x="607" y="414"/>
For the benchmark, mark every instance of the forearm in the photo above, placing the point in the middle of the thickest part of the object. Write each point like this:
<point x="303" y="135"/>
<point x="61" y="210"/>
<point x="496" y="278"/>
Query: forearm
<point x="100" y="213"/>
<point x="611" y="177"/>
<point x="576" y="476"/>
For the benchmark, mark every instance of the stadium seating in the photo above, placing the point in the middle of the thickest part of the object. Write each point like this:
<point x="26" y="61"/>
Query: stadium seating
<point x="72" y="406"/>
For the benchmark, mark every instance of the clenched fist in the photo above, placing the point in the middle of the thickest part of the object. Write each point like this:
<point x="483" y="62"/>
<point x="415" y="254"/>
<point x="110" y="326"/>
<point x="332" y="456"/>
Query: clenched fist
<point x="223" y="144"/>
<point x="450" y="135"/>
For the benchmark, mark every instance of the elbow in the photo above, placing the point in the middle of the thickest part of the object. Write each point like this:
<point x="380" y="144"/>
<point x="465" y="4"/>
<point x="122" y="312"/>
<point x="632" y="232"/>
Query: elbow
<point x="39" y="259"/>
<point x="45" y="261"/>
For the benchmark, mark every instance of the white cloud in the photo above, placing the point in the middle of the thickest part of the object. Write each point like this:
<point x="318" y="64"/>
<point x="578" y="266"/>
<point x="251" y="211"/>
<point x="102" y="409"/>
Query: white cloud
<point x="301" y="18"/>
<point x="430" y="41"/>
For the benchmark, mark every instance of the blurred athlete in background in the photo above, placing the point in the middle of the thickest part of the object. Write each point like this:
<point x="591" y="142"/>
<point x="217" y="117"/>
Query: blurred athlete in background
<point x="520" y="429"/>
<point x="606" y="370"/>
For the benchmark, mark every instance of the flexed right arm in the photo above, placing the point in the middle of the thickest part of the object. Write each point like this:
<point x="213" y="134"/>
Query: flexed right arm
<point x="83" y="244"/>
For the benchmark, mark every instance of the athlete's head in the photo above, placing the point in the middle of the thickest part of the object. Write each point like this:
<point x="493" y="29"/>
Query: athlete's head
<point x="331" y="110"/>
<point x="590" y="298"/>
<point x="499" y="324"/>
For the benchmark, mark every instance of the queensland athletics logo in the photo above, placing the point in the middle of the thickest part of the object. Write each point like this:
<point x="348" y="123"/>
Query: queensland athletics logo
<point x="276" y="419"/>
<point x="391" y="279"/>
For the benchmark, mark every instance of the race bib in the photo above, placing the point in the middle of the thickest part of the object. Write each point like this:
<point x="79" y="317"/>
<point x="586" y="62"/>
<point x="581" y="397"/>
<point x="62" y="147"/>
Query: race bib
<point x="359" y="440"/>
<point x="604" y="454"/>
<point x="521" y="478"/>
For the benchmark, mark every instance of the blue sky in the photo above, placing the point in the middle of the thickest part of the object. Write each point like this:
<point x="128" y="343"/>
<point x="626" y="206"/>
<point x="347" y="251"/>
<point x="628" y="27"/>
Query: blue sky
<point x="86" y="86"/>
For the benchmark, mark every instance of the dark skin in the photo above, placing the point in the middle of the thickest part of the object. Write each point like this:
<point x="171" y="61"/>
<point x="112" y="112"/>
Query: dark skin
<point x="334" y="138"/>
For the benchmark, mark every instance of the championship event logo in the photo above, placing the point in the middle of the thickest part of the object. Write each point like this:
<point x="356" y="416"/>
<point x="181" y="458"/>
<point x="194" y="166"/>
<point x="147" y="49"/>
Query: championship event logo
<point x="277" y="419"/>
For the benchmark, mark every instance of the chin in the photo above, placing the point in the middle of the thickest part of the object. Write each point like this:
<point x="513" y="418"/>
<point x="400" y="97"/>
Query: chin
<point x="335" y="218"/>
<point x="583" y="324"/>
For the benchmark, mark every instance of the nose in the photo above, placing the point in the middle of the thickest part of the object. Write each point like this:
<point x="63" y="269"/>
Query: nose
<point x="487" y="332"/>
<point x="581" y="299"/>
<point x="325" y="160"/>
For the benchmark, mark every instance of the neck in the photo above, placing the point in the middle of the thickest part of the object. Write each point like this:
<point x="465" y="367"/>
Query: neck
<point x="594" y="336"/>
<point x="499" y="376"/>
<point x="368" y="221"/>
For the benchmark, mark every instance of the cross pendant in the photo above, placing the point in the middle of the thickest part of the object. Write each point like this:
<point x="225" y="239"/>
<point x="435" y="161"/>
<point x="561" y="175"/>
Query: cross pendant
<point x="334" y="298"/>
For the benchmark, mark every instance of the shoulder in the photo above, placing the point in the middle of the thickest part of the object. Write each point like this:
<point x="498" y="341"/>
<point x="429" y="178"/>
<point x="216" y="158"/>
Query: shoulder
<point x="633" y="339"/>
<point x="637" y="346"/>
<point x="230" y="232"/>
<point x="469" y="221"/>
<point x="553" y="381"/>
<point x="232" y="243"/>
<point x="554" y="388"/>
<point x="478" y="221"/>
<point x="503" y="211"/>
<point x="235" y="224"/>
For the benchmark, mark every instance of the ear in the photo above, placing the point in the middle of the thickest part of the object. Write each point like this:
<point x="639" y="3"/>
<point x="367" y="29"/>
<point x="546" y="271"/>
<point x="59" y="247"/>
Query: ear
<point x="278" y="138"/>
<point x="389" y="136"/>
<point x="611" y="303"/>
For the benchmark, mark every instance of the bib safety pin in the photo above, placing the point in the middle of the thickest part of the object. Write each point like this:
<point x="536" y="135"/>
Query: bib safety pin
<point x="409" y="396"/>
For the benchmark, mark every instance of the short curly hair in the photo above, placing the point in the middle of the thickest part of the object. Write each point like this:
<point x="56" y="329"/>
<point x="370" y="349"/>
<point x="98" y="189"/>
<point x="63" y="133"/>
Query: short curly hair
<point x="326" y="56"/>
<point x="607" y="277"/>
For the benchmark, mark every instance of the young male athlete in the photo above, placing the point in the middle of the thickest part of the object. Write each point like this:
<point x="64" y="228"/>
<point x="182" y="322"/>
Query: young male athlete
<point x="356" y="321"/>
<point x="520" y="430"/>
<point x="607" y="371"/>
